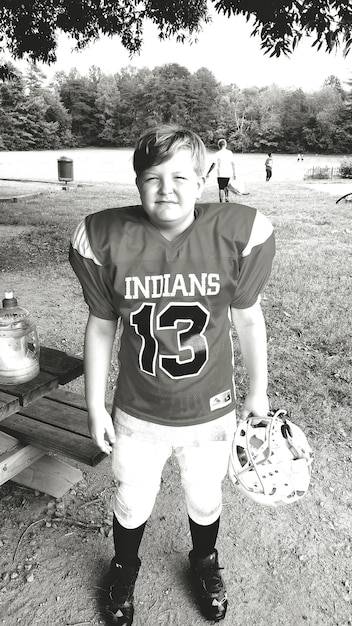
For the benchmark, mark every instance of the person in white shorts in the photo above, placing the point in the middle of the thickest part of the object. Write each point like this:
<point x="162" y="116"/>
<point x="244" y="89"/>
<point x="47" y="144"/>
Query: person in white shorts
<point x="225" y="164"/>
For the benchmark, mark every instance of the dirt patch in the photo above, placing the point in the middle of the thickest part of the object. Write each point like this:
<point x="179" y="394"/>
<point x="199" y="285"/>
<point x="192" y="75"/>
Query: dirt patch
<point x="282" y="567"/>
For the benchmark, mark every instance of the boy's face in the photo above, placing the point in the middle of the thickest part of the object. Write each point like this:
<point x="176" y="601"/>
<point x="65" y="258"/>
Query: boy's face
<point x="169" y="192"/>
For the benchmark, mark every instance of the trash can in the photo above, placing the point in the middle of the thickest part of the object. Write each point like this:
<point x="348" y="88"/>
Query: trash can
<point x="65" y="169"/>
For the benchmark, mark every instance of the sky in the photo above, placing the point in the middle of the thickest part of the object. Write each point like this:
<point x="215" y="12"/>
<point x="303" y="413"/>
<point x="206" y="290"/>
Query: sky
<point x="225" y="47"/>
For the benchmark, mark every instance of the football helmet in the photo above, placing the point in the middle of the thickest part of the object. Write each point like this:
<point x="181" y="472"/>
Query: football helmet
<point x="270" y="460"/>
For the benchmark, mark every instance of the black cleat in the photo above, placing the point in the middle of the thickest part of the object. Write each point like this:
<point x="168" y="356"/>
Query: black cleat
<point x="211" y="590"/>
<point x="122" y="579"/>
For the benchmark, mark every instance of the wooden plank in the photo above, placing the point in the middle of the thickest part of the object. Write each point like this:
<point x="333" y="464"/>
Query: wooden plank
<point x="59" y="415"/>
<point x="32" y="389"/>
<point x="17" y="459"/>
<point x="68" y="397"/>
<point x="7" y="442"/>
<point x="50" y="476"/>
<point x="46" y="474"/>
<point x="8" y="404"/>
<point x="71" y="399"/>
<point x="50" y="437"/>
<point x="65" y="366"/>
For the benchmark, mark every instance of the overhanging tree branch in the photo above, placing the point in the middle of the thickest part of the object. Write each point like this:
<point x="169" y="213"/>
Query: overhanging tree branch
<point x="282" y="23"/>
<point x="29" y="28"/>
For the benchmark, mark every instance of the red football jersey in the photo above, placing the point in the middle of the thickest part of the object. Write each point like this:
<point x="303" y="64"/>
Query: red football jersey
<point x="174" y="299"/>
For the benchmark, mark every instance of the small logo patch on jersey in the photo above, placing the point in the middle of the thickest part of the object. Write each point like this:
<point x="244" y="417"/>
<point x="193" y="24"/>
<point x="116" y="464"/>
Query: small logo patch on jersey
<point x="220" y="400"/>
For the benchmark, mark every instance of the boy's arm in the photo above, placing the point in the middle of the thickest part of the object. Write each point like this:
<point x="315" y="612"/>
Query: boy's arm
<point x="99" y="339"/>
<point x="251" y="331"/>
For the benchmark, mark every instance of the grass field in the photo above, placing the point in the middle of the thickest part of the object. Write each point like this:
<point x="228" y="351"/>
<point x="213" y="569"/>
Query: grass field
<point x="306" y="304"/>
<point x="110" y="164"/>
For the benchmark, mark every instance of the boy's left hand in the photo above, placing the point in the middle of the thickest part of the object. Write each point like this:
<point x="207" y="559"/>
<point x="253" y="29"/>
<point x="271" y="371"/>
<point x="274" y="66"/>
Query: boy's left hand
<point x="256" y="404"/>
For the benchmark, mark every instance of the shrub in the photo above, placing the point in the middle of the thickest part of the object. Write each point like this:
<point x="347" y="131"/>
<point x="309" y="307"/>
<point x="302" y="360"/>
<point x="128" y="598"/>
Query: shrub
<point x="319" y="173"/>
<point x="346" y="169"/>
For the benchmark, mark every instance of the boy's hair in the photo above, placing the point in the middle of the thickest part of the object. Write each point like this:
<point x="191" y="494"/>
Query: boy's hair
<point x="160" y="143"/>
<point x="222" y="143"/>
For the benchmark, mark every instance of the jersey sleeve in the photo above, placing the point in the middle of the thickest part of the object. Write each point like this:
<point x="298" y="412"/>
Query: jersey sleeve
<point x="91" y="274"/>
<point x="255" y="263"/>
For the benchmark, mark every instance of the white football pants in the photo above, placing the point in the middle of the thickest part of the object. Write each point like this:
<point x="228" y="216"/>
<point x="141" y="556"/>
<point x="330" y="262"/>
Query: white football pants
<point x="137" y="467"/>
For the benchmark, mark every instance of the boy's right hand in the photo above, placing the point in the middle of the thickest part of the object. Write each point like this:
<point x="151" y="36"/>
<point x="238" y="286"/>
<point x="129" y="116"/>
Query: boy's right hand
<point x="101" y="430"/>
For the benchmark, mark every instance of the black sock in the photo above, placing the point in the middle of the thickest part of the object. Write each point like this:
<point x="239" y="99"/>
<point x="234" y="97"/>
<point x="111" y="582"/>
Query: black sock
<point x="127" y="542"/>
<point x="203" y="537"/>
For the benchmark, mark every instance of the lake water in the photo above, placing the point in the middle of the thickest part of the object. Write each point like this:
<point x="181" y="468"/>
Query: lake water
<point x="114" y="165"/>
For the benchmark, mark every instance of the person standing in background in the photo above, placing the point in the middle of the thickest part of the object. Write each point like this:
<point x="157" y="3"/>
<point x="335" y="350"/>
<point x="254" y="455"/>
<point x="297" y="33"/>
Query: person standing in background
<point x="225" y="163"/>
<point x="269" y="166"/>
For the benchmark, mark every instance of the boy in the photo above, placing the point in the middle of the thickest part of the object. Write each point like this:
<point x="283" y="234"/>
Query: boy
<point x="176" y="273"/>
<point x="225" y="163"/>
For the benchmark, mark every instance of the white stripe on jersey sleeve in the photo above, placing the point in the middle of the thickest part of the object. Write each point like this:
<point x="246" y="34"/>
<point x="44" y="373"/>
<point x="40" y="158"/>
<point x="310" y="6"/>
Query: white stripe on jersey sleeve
<point x="261" y="230"/>
<point x="80" y="242"/>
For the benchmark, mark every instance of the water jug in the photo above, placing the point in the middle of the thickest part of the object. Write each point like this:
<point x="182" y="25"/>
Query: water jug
<point x="19" y="343"/>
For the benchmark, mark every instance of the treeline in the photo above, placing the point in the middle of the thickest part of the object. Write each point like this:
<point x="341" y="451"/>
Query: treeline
<point x="112" y="110"/>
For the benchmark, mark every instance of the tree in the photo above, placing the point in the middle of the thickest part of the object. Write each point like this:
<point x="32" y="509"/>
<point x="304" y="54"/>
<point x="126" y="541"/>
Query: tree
<point x="231" y="119"/>
<point x="31" y="116"/>
<point x="28" y="28"/>
<point x="326" y="108"/>
<point x="132" y="112"/>
<point x="345" y="120"/>
<point x="294" y="119"/>
<point x="267" y="134"/>
<point x="78" y="95"/>
<point x="202" y="103"/>
<point x="107" y="100"/>
<point x="170" y="93"/>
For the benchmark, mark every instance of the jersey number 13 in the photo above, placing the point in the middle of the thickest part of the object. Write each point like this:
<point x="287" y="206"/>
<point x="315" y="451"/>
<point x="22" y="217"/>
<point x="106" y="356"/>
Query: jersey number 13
<point x="189" y="322"/>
